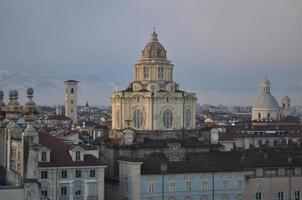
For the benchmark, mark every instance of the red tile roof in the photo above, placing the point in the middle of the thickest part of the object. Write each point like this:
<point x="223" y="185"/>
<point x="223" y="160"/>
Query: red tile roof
<point x="60" y="157"/>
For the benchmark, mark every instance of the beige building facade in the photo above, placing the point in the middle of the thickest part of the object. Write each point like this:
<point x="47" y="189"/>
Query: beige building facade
<point x="283" y="183"/>
<point x="153" y="100"/>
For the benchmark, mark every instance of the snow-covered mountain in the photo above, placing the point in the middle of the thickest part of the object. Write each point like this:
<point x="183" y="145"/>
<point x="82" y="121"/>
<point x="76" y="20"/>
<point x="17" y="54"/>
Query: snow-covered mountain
<point x="50" y="89"/>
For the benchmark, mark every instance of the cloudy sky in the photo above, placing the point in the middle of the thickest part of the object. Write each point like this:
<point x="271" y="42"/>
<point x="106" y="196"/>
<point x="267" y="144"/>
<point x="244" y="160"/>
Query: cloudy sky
<point x="221" y="49"/>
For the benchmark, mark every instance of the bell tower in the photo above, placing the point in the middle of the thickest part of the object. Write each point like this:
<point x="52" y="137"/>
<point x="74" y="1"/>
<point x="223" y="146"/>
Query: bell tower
<point x="71" y="96"/>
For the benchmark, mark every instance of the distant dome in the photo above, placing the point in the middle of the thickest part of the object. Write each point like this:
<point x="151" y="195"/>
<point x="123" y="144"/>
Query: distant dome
<point x="266" y="101"/>
<point x="266" y="106"/>
<point x="154" y="49"/>
<point x="286" y="99"/>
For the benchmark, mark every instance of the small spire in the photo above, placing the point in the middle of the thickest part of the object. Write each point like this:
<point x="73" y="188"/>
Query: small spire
<point x="154" y="35"/>
<point x="13" y="97"/>
<point x="30" y="92"/>
<point x="29" y="110"/>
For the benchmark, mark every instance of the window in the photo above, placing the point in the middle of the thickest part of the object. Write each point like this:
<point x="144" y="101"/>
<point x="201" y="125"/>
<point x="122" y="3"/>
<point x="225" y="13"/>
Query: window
<point x="204" y="184"/>
<point x="126" y="184"/>
<point x="281" y="196"/>
<point x="224" y="183"/>
<point x="172" y="186"/>
<point x="137" y="119"/>
<point x="259" y="183"/>
<point x="63" y="191"/>
<point x="44" y="175"/>
<point x="174" y="158"/>
<point x="259" y="172"/>
<point x="71" y="101"/>
<point x="260" y="142"/>
<point x="297" y="171"/>
<point x="71" y="90"/>
<point x="92" y="173"/>
<point x="161" y="73"/>
<point x="92" y="190"/>
<point x="167" y="118"/>
<point x="240" y="183"/>
<point x="259" y="115"/>
<point x="281" y="172"/>
<point x="71" y="110"/>
<point x="63" y="174"/>
<point x="297" y="195"/>
<point x="258" y="196"/>
<point x="146" y="72"/>
<point x="44" y="191"/>
<point x="188" y="185"/>
<point x="44" y="156"/>
<point x="151" y="187"/>
<point x="78" y="174"/>
<point x="173" y="147"/>
<point x="268" y="115"/>
<point x="78" y="155"/>
<point x="77" y="191"/>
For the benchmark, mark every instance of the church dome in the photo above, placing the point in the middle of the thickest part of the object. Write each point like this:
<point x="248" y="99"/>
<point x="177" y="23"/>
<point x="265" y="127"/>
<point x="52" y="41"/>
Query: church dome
<point x="266" y="101"/>
<point x="286" y="99"/>
<point x="154" y="49"/>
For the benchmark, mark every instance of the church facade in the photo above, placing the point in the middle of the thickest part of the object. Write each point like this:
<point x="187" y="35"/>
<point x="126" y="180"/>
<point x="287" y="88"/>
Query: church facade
<point x="153" y="101"/>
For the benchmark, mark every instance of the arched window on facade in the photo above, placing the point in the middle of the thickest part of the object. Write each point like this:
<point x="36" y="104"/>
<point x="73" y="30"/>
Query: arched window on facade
<point x="161" y="73"/>
<point x="167" y="118"/>
<point x="137" y="119"/>
<point x="71" y="90"/>
<point x="146" y="72"/>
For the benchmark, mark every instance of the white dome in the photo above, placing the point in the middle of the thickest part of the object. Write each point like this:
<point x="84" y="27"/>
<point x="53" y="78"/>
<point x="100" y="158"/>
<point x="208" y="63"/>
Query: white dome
<point x="286" y="99"/>
<point x="266" y="101"/>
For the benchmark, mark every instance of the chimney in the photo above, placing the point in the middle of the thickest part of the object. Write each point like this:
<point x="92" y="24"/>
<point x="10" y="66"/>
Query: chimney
<point x="163" y="167"/>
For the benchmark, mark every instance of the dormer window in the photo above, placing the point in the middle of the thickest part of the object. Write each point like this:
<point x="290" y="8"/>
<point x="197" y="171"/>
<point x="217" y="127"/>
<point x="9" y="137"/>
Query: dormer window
<point x="44" y="155"/>
<point x="78" y="156"/>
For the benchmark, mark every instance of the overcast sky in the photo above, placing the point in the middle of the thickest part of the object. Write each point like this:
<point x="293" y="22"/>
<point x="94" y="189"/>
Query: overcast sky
<point x="221" y="49"/>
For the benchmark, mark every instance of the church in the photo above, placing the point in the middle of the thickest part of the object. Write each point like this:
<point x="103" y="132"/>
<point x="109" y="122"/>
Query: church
<point x="153" y="101"/>
<point x="266" y="107"/>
